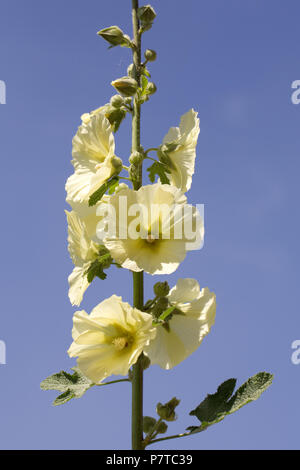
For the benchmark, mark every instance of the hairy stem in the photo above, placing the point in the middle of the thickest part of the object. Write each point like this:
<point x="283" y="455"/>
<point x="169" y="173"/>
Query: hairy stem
<point x="138" y="280"/>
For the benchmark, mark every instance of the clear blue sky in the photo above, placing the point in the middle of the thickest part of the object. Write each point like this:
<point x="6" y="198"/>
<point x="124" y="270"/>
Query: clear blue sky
<point x="232" y="61"/>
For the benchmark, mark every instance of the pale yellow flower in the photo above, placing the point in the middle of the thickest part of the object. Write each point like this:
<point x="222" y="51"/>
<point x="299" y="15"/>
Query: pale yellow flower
<point x="180" y="145"/>
<point x="151" y="241"/>
<point x="186" y="328"/>
<point x="94" y="160"/>
<point x="86" y="117"/>
<point x="83" y="251"/>
<point x="110" y="339"/>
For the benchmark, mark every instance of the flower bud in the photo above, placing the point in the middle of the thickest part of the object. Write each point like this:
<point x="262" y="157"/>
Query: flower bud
<point x="136" y="158"/>
<point x="146" y="15"/>
<point x="126" y="86"/>
<point x="115" y="117"/>
<point x="128" y="101"/>
<point x="117" y="164"/>
<point x="150" y="55"/>
<point x="130" y="70"/>
<point x="167" y="411"/>
<point x="160" y="306"/>
<point x="151" y="88"/>
<point x="161" y="289"/>
<point x="148" y="424"/>
<point x="117" y="101"/>
<point x="162" y="428"/>
<point x="115" y="36"/>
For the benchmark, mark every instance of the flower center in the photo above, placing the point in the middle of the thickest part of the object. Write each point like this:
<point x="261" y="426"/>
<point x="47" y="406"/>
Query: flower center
<point x="121" y="342"/>
<point x="150" y="239"/>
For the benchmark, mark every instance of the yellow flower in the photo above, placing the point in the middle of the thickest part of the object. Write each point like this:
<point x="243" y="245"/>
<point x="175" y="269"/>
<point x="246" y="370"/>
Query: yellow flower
<point x="94" y="160"/>
<point x="86" y="117"/>
<point x="83" y="251"/>
<point x="186" y="328"/>
<point x="180" y="146"/>
<point x="153" y="218"/>
<point x="110" y="339"/>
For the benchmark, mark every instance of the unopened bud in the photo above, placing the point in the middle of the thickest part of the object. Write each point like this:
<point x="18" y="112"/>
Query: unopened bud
<point x="130" y="70"/>
<point x="115" y="117"/>
<point x="150" y="55"/>
<point x="117" y="164"/>
<point x="161" y="289"/>
<point x="162" y="428"/>
<point x="117" y="101"/>
<point x="151" y="88"/>
<point x="136" y="158"/>
<point x="148" y="424"/>
<point x="146" y="15"/>
<point x="160" y="306"/>
<point x="115" y="36"/>
<point x="126" y="86"/>
<point x="167" y="411"/>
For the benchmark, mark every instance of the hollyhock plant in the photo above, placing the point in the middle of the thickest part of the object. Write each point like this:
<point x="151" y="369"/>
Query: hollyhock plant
<point x="118" y="221"/>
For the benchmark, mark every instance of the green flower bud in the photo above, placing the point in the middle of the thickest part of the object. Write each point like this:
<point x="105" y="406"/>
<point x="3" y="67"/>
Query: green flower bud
<point x="115" y="117"/>
<point x="128" y="101"/>
<point x="117" y="164"/>
<point x="162" y="303"/>
<point x="162" y="428"/>
<point x="130" y="70"/>
<point x="161" y="289"/>
<point x="146" y="15"/>
<point x="167" y="411"/>
<point x="148" y="424"/>
<point x="160" y="306"/>
<point x="150" y="55"/>
<point x="136" y="158"/>
<point x="151" y="88"/>
<point x="134" y="172"/>
<point x="116" y="101"/>
<point x="126" y="86"/>
<point x="115" y="36"/>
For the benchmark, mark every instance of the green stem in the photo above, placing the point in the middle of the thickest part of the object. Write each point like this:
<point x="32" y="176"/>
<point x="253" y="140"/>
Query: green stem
<point x="113" y="382"/>
<point x="175" y="436"/>
<point x="138" y="280"/>
<point x="152" y="149"/>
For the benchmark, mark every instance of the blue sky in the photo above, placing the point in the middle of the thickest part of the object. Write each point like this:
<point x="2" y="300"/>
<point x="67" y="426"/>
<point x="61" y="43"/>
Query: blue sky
<point x="232" y="61"/>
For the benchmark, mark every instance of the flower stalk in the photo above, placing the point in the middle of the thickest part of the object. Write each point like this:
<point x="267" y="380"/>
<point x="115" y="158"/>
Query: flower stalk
<point x="138" y="277"/>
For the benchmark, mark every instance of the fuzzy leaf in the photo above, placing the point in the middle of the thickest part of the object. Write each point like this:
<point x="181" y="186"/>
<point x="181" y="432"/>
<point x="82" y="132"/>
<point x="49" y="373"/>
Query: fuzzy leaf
<point x="160" y="170"/>
<point x="71" y="385"/>
<point x="215" y="407"/>
<point x="96" y="267"/>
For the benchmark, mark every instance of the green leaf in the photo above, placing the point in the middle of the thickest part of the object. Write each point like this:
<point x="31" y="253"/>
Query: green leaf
<point x="96" y="267"/>
<point x="160" y="170"/>
<point x="146" y="72"/>
<point x="215" y="407"/>
<point x="97" y="195"/>
<point x="144" y="83"/>
<point x="71" y="385"/>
